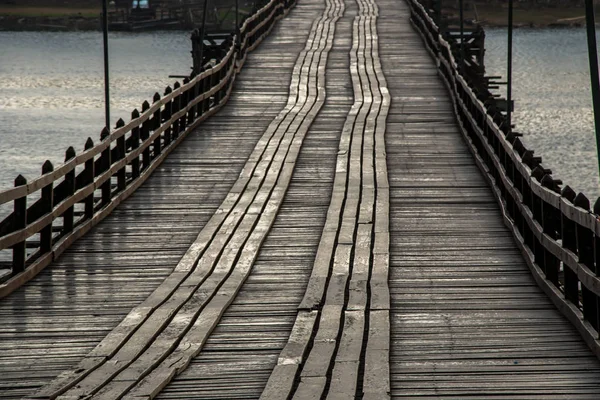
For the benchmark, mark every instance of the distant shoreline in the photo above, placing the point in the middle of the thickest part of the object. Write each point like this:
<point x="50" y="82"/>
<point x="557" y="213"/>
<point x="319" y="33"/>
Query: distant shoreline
<point x="14" y="18"/>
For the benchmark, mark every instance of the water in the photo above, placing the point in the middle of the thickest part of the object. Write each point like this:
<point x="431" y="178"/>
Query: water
<point x="553" y="106"/>
<point x="51" y="93"/>
<point x="52" y="89"/>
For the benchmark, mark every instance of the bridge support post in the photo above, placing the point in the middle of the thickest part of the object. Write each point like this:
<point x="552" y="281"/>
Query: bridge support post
<point x="438" y="13"/>
<point x="509" y="107"/>
<point x="202" y="35"/>
<point x="593" y="59"/>
<point x="462" y="36"/>
<point x="237" y="22"/>
<point x="106" y="77"/>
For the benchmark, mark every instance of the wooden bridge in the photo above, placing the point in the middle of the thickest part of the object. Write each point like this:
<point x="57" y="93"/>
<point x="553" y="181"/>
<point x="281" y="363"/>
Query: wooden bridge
<point x="357" y="221"/>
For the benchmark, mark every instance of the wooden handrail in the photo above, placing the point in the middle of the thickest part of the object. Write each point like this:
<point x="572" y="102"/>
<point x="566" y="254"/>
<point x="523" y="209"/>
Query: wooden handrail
<point x="128" y="154"/>
<point x="555" y="229"/>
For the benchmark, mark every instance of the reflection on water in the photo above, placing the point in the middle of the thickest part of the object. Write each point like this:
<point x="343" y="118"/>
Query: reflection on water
<point x="51" y="93"/>
<point x="52" y="89"/>
<point x="553" y="107"/>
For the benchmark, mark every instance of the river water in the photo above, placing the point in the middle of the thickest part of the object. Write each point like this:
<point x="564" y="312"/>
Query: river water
<point x="51" y="93"/>
<point x="553" y="106"/>
<point x="52" y="89"/>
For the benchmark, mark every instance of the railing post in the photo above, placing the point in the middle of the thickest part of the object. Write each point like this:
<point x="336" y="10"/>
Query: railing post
<point x="192" y="94"/>
<point x="207" y="83"/>
<point x="135" y="143"/>
<point x="176" y="106"/>
<point x="549" y="226"/>
<point x="585" y="251"/>
<point x="156" y="125"/>
<point x="597" y="258"/>
<point x="68" y="216"/>
<point x="90" y="175"/>
<point x="48" y="204"/>
<point x="121" y="151"/>
<point x="105" y="166"/>
<point x="569" y="242"/>
<point x="144" y="135"/>
<point x="166" y="116"/>
<point x="20" y="222"/>
<point x="185" y="100"/>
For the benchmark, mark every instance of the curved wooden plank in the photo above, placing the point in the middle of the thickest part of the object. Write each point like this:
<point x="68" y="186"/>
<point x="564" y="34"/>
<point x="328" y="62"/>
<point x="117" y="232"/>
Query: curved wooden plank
<point x="349" y="276"/>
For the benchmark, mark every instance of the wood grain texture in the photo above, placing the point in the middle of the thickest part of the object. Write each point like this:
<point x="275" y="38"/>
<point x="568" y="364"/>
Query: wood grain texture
<point x="158" y="339"/>
<point x="332" y="362"/>
<point x="49" y="325"/>
<point x="411" y="286"/>
<point x="467" y="320"/>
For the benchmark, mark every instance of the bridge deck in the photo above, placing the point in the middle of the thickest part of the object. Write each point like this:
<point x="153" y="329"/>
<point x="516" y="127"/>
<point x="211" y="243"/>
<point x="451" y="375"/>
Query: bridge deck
<point x="466" y="319"/>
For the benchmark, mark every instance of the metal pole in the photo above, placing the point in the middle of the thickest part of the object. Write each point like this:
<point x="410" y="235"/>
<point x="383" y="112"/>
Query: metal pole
<point x="593" y="57"/>
<point x="203" y="33"/>
<point x="462" y="37"/>
<point x="237" y="20"/>
<point x="106" y="77"/>
<point x="509" y="67"/>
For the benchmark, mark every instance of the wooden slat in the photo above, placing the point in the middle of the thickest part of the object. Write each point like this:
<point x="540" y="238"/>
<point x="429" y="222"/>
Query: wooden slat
<point x="333" y="361"/>
<point x="467" y="319"/>
<point x="130" y="253"/>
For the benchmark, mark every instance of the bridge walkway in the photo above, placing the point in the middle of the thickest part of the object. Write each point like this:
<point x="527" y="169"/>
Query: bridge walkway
<point x="464" y="318"/>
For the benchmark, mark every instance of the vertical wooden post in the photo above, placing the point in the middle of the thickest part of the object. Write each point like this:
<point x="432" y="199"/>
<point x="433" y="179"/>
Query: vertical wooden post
<point x="19" y="222"/>
<point x="192" y="94"/>
<point x="105" y="165"/>
<point x="166" y="114"/>
<point x="569" y="242"/>
<point x="550" y="229"/>
<point x="176" y="107"/>
<point x="135" y="143"/>
<point x="185" y="99"/>
<point x="121" y="151"/>
<point x="144" y="135"/>
<point x="208" y="85"/>
<point x="585" y="251"/>
<point x="196" y="61"/>
<point x="68" y="216"/>
<point x="155" y="125"/>
<point x="90" y="175"/>
<point x="48" y="204"/>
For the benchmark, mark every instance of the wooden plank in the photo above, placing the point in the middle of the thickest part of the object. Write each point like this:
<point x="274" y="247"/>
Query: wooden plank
<point x="467" y="320"/>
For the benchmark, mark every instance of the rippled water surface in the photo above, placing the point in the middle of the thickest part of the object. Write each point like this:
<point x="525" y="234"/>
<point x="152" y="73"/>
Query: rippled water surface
<point x="51" y="93"/>
<point x="52" y="89"/>
<point x="553" y="107"/>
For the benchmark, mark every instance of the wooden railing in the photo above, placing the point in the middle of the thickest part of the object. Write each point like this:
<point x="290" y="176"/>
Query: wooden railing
<point x="555" y="229"/>
<point x="52" y="211"/>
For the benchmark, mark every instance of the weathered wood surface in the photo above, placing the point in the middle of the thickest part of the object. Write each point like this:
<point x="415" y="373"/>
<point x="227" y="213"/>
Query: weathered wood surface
<point x="468" y="320"/>
<point x="51" y="323"/>
<point x="242" y="351"/>
<point x="158" y="338"/>
<point x="340" y="341"/>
